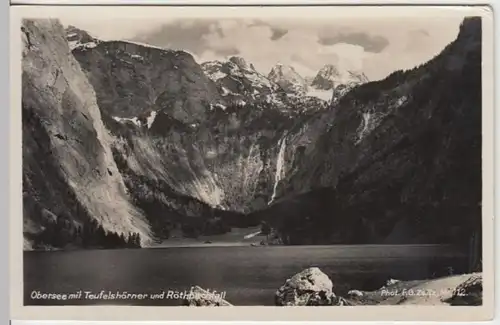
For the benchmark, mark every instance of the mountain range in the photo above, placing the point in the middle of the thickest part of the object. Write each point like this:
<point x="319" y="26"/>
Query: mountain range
<point x="145" y="140"/>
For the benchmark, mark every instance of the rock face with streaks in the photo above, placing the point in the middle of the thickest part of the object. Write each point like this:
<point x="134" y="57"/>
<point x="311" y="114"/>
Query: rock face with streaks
<point x="222" y="148"/>
<point x="166" y="143"/>
<point x="134" y="80"/>
<point x="182" y="153"/>
<point x="398" y="160"/>
<point x="69" y="174"/>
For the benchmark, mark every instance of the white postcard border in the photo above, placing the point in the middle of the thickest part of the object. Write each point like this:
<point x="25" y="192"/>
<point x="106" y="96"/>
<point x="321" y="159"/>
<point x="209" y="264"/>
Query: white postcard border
<point x="360" y="313"/>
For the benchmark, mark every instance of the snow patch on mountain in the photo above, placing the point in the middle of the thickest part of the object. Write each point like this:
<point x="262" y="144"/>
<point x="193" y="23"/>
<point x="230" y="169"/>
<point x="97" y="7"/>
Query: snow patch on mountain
<point x="257" y="79"/>
<point x="77" y="44"/>
<point x="325" y="95"/>
<point x="136" y="56"/>
<point x="221" y="106"/>
<point x="329" y="77"/>
<point x="326" y="78"/>
<point x="273" y="99"/>
<point x="146" y="45"/>
<point x="238" y="81"/>
<point x="133" y="120"/>
<point x="218" y="106"/>
<point x="225" y="91"/>
<point x="151" y="119"/>
<point x="337" y="83"/>
<point x="370" y="121"/>
<point x="398" y="102"/>
<point x="283" y="89"/>
<point x="80" y="39"/>
<point x="217" y="75"/>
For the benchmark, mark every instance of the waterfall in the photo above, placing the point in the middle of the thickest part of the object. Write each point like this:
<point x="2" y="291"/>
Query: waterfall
<point x="364" y="127"/>
<point x="280" y="170"/>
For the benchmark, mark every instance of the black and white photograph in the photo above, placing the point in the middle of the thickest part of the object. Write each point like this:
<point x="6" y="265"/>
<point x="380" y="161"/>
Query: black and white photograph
<point x="252" y="160"/>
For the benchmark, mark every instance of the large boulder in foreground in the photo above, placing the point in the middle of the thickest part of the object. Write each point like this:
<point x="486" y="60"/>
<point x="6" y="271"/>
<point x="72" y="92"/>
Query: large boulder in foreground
<point x="469" y="292"/>
<point x="201" y="297"/>
<point x="311" y="287"/>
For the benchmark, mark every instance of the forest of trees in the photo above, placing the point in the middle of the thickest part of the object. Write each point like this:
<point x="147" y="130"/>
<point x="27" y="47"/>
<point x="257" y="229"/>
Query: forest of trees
<point x="195" y="227"/>
<point x="63" y="233"/>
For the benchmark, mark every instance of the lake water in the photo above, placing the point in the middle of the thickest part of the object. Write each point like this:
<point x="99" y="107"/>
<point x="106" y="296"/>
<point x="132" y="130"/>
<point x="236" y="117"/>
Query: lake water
<point x="247" y="275"/>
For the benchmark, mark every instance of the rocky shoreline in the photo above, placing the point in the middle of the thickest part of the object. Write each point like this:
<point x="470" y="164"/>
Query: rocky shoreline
<point x="312" y="287"/>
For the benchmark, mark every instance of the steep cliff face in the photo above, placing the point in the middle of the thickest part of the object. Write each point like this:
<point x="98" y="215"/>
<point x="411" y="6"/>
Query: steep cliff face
<point x="401" y="160"/>
<point x="69" y="174"/>
<point x="228" y="162"/>
<point x="144" y="140"/>
<point x="226" y="158"/>
<point x="133" y="80"/>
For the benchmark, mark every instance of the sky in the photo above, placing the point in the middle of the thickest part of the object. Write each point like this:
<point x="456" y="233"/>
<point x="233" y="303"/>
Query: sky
<point x="375" y="46"/>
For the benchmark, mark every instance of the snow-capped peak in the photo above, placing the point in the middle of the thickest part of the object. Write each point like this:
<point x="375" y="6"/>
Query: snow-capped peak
<point x="241" y="63"/>
<point x="287" y="78"/>
<point x="332" y="82"/>
<point x="359" y="77"/>
<point x="237" y="78"/>
<point x="329" y="77"/>
<point x="281" y="70"/>
<point x="330" y="71"/>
